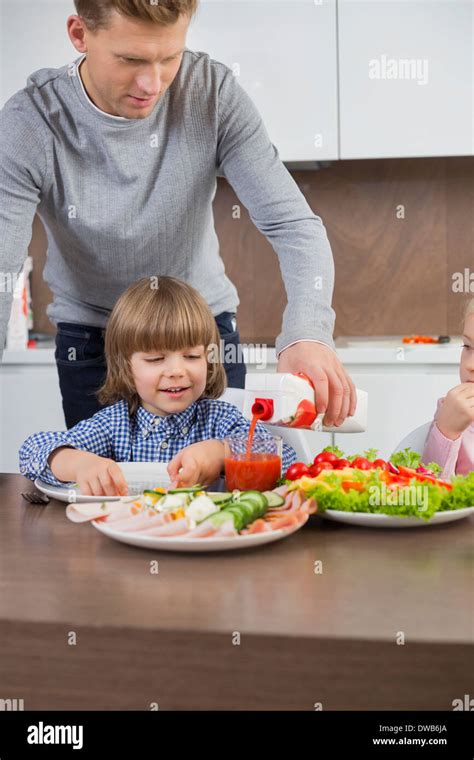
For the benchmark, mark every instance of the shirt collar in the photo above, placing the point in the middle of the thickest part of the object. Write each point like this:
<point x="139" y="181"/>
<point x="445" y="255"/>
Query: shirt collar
<point x="178" y="424"/>
<point x="104" y="113"/>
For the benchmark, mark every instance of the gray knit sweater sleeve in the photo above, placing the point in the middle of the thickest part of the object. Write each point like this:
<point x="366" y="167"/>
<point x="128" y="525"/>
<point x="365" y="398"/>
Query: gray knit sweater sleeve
<point x="251" y="164"/>
<point x="23" y="167"/>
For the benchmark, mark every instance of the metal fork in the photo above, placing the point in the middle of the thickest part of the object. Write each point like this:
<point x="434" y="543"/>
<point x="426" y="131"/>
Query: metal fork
<point x="33" y="497"/>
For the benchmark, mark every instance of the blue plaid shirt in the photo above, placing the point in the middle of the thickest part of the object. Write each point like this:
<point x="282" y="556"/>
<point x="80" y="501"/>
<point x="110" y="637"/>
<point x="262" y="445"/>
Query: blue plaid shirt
<point x="143" y="437"/>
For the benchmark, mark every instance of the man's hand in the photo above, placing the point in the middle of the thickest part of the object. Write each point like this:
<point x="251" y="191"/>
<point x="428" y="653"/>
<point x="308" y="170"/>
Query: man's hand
<point x="201" y="463"/>
<point x="335" y="392"/>
<point x="457" y="411"/>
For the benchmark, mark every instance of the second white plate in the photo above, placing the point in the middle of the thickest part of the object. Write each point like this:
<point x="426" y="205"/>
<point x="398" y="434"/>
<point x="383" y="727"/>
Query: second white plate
<point x="371" y="520"/>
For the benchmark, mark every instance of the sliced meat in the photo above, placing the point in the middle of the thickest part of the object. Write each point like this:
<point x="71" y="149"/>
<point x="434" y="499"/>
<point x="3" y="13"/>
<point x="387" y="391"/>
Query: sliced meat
<point x="173" y="528"/>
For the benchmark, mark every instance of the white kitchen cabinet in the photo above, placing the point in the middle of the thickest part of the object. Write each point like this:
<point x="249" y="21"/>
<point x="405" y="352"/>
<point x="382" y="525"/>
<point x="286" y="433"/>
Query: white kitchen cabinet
<point x="405" y="78"/>
<point x="403" y="383"/>
<point x="30" y="401"/>
<point x="284" y="54"/>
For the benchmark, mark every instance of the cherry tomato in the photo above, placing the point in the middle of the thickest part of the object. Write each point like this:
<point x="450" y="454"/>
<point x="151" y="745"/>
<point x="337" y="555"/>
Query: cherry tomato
<point x="296" y="470"/>
<point x="361" y="463"/>
<point x="325" y="456"/>
<point x="315" y="469"/>
<point x="382" y="464"/>
<point x="341" y="463"/>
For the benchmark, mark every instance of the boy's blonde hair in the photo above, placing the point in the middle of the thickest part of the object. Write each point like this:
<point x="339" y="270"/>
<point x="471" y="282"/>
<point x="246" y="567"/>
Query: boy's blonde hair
<point x="158" y="313"/>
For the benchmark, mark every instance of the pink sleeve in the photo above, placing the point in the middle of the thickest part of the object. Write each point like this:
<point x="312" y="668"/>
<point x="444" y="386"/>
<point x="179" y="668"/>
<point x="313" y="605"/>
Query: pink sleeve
<point x="441" y="450"/>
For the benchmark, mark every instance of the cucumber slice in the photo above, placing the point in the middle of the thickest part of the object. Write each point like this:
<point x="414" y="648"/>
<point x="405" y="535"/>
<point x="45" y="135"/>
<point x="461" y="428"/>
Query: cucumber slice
<point x="220" y="497"/>
<point x="256" y="497"/>
<point x="249" y="508"/>
<point x="274" y="499"/>
<point x="192" y="489"/>
<point x="243" y="513"/>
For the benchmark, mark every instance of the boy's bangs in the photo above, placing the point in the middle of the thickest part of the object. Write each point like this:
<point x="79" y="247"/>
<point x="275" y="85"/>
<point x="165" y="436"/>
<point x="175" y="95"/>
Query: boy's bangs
<point x="165" y="330"/>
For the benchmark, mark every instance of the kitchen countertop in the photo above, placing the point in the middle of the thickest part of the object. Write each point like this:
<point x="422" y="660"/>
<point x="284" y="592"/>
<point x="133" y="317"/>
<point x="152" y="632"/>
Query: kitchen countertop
<point x="171" y="636"/>
<point x="351" y="350"/>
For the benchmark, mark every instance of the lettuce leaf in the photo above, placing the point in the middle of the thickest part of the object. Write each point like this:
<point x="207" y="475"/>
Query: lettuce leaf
<point x="418" y="499"/>
<point x="407" y="458"/>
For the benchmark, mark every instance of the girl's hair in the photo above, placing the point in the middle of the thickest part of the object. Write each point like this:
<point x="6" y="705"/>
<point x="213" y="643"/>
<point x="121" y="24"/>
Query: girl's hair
<point x="96" y="13"/>
<point x="469" y="308"/>
<point x="158" y="314"/>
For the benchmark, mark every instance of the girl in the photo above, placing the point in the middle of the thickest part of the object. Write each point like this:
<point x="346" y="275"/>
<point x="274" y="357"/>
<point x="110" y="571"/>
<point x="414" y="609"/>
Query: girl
<point x="450" y="441"/>
<point x="164" y="379"/>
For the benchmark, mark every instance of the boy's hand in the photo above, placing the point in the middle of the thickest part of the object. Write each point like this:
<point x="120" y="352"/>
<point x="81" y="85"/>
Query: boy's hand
<point x="457" y="411"/>
<point x="99" y="476"/>
<point x="199" y="463"/>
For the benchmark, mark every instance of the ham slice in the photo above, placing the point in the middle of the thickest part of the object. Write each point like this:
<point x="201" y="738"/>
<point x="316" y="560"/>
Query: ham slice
<point x="173" y="528"/>
<point x="141" y="520"/>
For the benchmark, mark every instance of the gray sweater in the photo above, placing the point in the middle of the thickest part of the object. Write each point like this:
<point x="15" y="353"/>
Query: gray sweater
<point x="122" y="199"/>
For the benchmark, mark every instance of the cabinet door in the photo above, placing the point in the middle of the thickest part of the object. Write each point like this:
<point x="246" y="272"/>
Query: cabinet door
<point x="284" y="55"/>
<point x="405" y="78"/>
<point x="30" y="401"/>
<point x="399" y="402"/>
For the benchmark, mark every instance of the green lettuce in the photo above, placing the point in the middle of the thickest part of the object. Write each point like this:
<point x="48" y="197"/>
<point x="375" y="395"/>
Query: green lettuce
<point x="418" y="500"/>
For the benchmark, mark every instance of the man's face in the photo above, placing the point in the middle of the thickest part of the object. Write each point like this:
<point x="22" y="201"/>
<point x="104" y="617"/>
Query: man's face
<point x="129" y="59"/>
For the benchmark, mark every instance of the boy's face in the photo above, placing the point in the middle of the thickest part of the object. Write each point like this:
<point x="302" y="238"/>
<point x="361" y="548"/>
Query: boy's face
<point x="467" y="357"/>
<point x="128" y="58"/>
<point x="156" y="372"/>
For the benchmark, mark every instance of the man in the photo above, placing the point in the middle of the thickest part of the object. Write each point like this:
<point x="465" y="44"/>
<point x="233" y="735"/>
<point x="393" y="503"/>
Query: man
<point x="118" y="153"/>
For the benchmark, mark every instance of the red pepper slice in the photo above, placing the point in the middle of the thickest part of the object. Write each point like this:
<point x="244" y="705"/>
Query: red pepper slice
<point x="352" y="485"/>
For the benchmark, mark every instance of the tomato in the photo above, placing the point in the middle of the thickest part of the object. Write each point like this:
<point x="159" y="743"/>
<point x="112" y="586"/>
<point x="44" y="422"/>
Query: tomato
<point x="361" y="463"/>
<point x="315" y="469"/>
<point x="352" y="485"/>
<point x="326" y="456"/>
<point x="341" y="463"/>
<point x="381" y="463"/>
<point x="296" y="471"/>
<point x="305" y="415"/>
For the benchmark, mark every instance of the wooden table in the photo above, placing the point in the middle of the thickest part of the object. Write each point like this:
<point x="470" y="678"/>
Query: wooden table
<point x="85" y="623"/>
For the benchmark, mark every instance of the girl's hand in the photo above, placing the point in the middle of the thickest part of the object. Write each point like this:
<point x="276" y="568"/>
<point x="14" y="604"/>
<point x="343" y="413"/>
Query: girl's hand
<point x="201" y="463"/>
<point x="457" y="411"/>
<point x="97" y="476"/>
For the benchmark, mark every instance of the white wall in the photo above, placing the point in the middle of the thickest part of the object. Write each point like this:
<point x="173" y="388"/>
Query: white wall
<point x="33" y="36"/>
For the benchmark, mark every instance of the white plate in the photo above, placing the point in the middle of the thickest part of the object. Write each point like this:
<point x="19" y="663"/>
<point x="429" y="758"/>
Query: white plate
<point x="139" y="475"/>
<point x="370" y="520"/>
<point x="181" y="544"/>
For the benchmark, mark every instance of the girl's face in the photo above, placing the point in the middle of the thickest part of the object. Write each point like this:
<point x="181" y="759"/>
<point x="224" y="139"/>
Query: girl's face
<point x="157" y="372"/>
<point x="467" y="357"/>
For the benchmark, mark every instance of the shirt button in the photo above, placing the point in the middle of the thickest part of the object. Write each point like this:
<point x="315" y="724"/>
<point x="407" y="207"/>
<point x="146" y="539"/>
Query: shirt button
<point x="164" y="445"/>
<point x="184" y="430"/>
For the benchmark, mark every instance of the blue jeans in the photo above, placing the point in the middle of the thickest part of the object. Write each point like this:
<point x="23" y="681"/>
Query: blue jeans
<point x="81" y="378"/>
